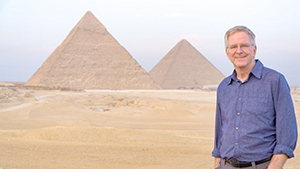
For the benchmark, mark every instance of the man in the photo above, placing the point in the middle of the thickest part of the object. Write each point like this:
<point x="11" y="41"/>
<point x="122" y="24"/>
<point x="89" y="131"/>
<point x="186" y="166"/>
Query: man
<point x="255" y="118"/>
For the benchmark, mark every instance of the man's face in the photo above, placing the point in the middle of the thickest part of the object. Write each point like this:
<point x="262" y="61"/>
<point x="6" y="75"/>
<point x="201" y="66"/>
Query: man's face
<point x="240" y="51"/>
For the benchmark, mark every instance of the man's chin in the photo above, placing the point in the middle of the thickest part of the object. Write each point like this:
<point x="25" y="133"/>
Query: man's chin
<point x="240" y="64"/>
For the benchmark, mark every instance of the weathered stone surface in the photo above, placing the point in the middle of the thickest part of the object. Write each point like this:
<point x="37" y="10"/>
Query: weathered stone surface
<point x="91" y="58"/>
<point x="185" y="68"/>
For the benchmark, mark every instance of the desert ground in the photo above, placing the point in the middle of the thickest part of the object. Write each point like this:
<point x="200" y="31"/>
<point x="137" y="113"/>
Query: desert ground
<point x="125" y="129"/>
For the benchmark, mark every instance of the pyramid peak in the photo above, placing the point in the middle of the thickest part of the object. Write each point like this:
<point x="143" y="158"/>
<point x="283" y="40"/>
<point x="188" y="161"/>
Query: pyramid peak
<point x="88" y="13"/>
<point x="182" y="44"/>
<point x="90" y="22"/>
<point x="184" y="41"/>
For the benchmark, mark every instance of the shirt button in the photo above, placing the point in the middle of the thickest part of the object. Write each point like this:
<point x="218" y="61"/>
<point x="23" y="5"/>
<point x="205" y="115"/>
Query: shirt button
<point x="238" y="114"/>
<point x="240" y="98"/>
<point x="236" y="144"/>
<point x="237" y="128"/>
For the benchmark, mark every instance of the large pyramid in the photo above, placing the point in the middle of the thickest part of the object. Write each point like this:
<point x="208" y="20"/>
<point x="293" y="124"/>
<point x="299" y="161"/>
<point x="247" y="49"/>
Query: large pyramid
<point x="185" y="68"/>
<point x="91" y="58"/>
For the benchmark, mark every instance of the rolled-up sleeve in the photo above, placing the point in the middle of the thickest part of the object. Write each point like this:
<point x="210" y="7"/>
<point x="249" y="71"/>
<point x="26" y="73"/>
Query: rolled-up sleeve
<point x="218" y="132"/>
<point x="286" y="124"/>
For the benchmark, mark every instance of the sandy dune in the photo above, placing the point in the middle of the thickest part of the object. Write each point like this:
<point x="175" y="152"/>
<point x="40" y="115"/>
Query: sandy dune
<point x="109" y="129"/>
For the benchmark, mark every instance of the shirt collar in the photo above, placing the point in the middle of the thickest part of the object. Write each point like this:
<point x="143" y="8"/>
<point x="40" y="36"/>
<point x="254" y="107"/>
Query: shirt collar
<point x="256" y="71"/>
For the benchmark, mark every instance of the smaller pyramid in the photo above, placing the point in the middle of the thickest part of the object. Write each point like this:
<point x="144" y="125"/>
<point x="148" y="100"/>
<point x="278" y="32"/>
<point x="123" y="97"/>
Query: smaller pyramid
<point x="91" y="58"/>
<point x="185" y="68"/>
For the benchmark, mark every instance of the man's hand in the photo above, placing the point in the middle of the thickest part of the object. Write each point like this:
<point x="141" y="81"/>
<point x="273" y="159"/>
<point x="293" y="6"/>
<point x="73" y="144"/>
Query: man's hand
<point x="217" y="161"/>
<point x="277" y="161"/>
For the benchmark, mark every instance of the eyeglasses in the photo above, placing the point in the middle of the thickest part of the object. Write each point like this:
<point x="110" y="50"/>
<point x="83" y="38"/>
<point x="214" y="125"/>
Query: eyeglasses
<point x="243" y="46"/>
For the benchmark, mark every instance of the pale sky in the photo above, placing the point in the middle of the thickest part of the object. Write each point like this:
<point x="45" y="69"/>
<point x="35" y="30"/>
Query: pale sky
<point x="30" y="30"/>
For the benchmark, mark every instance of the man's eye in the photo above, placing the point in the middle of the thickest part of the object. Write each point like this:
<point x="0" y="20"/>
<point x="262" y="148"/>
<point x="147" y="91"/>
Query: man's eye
<point x="245" y="46"/>
<point x="233" y="47"/>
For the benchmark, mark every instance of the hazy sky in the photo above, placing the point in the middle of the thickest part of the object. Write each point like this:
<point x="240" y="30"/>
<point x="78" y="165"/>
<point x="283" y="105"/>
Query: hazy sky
<point x="30" y="30"/>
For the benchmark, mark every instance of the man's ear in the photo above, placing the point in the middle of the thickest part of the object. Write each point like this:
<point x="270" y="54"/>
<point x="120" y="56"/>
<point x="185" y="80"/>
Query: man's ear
<point x="255" y="49"/>
<point x="226" y="51"/>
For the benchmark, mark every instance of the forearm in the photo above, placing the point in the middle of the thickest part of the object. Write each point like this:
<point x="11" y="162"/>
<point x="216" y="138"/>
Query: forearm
<point x="277" y="161"/>
<point x="217" y="161"/>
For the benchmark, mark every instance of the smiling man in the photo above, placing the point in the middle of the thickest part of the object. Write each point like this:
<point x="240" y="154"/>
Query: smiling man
<point x="255" y="124"/>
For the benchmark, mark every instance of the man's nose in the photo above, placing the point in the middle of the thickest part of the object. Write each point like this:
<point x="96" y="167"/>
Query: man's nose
<point x="239" y="49"/>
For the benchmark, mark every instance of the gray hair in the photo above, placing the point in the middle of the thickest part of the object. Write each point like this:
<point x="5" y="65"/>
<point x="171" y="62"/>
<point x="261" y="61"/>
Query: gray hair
<point x="239" y="29"/>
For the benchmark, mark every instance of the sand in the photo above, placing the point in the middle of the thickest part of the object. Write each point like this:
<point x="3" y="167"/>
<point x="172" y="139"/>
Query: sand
<point x="158" y="129"/>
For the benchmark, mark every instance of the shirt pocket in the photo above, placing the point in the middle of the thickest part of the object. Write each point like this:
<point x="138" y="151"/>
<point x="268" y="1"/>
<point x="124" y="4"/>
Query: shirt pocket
<point x="256" y="105"/>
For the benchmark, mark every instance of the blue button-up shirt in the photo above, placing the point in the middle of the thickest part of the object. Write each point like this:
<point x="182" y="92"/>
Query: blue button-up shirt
<point x="254" y="119"/>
